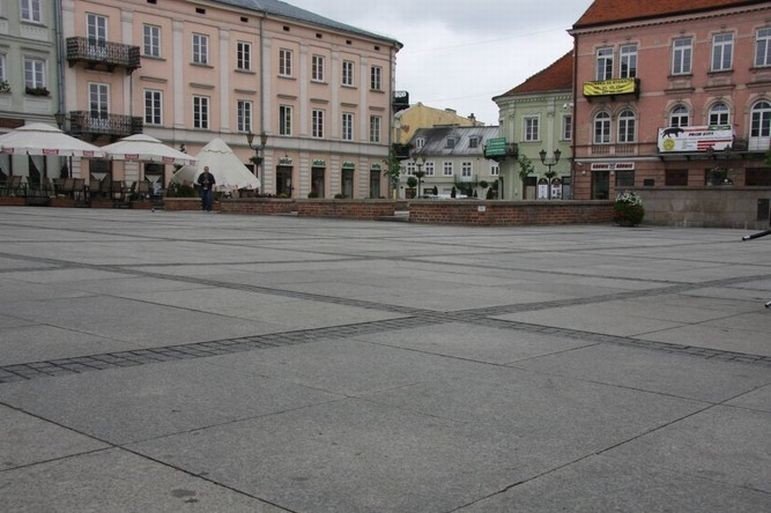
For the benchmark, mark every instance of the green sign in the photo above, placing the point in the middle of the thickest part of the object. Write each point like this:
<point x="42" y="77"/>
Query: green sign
<point x="495" y="147"/>
<point x="375" y="167"/>
<point x="348" y="165"/>
<point x="319" y="163"/>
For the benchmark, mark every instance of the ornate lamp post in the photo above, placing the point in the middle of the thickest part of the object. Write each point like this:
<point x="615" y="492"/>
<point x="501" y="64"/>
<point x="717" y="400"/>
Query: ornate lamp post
<point x="259" y="150"/>
<point x="419" y="174"/>
<point x="550" y="163"/>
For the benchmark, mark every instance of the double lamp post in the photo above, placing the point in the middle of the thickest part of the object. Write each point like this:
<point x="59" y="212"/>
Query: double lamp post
<point x="259" y="150"/>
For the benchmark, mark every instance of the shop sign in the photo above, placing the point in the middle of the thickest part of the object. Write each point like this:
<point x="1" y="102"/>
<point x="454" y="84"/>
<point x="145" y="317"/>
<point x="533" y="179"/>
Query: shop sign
<point x="695" y="138"/>
<point x="495" y="147"/>
<point x="319" y="163"/>
<point x="349" y="165"/>
<point x="612" y="166"/>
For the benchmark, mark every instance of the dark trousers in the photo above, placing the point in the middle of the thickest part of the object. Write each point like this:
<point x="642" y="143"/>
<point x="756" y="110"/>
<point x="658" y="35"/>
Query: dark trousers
<point x="207" y="199"/>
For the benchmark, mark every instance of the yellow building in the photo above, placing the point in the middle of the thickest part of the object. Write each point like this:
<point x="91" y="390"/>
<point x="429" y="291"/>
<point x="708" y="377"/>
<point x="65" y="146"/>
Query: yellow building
<point x="408" y="121"/>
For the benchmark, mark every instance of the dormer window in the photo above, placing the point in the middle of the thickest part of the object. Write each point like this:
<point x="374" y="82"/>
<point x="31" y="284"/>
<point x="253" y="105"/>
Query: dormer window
<point x="473" y="142"/>
<point x="420" y="142"/>
<point x="451" y="141"/>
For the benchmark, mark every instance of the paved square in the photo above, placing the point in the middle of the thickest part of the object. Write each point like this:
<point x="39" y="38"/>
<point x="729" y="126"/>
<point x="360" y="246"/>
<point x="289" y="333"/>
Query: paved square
<point x="159" y="361"/>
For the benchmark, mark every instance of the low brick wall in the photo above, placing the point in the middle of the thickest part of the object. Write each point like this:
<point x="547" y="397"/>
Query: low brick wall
<point x="346" y="209"/>
<point x="714" y="207"/>
<point x="186" y="204"/>
<point x="510" y="213"/>
<point x="12" y="201"/>
<point x="258" y="206"/>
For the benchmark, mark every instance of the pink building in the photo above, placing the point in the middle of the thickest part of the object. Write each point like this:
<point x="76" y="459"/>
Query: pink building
<point x="671" y="94"/>
<point x="186" y="72"/>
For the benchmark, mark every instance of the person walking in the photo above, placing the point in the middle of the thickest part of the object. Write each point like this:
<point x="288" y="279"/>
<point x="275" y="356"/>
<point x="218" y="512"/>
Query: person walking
<point x="206" y="182"/>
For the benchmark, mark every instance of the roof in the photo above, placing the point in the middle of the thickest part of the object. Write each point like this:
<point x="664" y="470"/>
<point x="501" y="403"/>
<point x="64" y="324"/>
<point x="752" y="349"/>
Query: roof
<point x="436" y="140"/>
<point x="285" y="10"/>
<point x="558" y="76"/>
<point x="603" y="12"/>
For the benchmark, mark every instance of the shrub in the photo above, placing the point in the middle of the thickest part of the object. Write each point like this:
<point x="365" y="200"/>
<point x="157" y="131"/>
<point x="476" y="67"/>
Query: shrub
<point x="628" y="209"/>
<point x="313" y="194"/>
<point x="176" y="190"/>
<point x="339" y="195"/>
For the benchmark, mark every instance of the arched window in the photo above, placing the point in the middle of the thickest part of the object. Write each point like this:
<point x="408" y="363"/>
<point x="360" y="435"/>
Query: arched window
<point x="679" y="116"/>
<point x="719" y="114"/>
<point x="761" y="120"/>
<point x="627" y="123"/>
<point x="602" y="128"/>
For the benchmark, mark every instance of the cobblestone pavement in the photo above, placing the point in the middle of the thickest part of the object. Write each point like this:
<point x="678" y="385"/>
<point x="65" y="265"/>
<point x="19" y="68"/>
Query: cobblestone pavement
<point x="198" y="362"/>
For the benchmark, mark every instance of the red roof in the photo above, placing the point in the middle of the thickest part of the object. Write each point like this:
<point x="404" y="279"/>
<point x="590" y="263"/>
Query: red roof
<point x="603" y="12"/>
<point x="557" y="77"/>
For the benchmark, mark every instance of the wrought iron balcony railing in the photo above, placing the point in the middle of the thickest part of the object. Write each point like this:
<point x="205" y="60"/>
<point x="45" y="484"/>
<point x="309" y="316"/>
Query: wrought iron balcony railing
<point x="102" y="54"/>
<point x="83" y="123"/>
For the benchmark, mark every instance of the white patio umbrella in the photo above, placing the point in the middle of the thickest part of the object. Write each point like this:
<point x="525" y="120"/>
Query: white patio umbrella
<point x="143" y="148"/>
<point x="43" y="139"/>
<point x="228" y="170"/>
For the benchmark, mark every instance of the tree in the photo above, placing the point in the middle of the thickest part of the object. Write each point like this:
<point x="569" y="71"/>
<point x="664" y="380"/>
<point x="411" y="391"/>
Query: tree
<point x="526" y="168"/>
<point x="393" y="170"/>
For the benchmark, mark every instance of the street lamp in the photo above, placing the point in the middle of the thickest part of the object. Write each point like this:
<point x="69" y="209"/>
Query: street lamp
<point x="419" y="174"/>
<point x="259" y="150"/>
<point x="550" y="163"/>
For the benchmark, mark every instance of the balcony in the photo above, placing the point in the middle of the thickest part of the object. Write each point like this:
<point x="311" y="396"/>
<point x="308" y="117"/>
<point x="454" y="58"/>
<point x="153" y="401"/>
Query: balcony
<point x="606" y="150"/>
<point x="115" y="126"/>
<point x="402" y="151"/>
<point x="102" y="55"/>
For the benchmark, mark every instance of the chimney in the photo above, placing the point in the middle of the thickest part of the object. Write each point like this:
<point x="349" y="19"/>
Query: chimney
<point x="472" y="118"/>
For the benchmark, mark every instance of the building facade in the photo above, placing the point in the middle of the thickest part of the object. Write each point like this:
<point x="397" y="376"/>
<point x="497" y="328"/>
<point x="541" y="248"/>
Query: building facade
<point x="537" y="116"/>
<point x="30" y="90"/>
<point x="671" y="95"/>
<point x="188" y="71"/>
<point x="451" y="157"/>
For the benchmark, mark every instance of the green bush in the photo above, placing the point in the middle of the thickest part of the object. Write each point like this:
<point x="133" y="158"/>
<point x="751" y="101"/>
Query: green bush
<point x="628" y="209"/>
<point x="313" y="194"/>
<point x="339" y="195"/>
<point x="176" y="190"/>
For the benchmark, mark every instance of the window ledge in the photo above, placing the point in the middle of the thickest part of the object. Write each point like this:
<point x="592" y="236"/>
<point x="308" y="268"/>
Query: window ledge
<point x="720" y="72"/>
<point x="245" y="71"/>
<point x="154" y="58"/>
<point x="680" y="76"/>
<point x="201" y="65"/>
<point x="286" y="77"/>
<point x="319" y="82"/>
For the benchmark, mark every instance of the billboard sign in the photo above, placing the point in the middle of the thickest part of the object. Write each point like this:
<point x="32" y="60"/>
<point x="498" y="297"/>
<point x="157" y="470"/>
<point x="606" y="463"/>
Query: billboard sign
<point x="695" y="138"/>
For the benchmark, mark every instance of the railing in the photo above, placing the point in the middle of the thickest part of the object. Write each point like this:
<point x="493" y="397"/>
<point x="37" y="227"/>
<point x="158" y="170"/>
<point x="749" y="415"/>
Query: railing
<point x="108" y="55"/>
<point x="601" y="149"/>
<point x="83" y="123"/>
<point x="614" y="149"/>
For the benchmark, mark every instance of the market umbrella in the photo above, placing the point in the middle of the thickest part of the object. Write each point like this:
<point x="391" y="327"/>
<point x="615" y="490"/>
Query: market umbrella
<point x="143" y="148"/>
<point x="43" y="139"/>
<point x="228" y="170"/>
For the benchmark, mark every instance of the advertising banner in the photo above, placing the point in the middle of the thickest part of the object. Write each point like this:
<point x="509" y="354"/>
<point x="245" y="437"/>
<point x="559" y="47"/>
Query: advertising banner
<point x="695" y="138"/>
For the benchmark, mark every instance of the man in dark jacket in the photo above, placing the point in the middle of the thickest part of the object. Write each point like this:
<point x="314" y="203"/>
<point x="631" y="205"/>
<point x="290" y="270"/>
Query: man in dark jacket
<point x="206" y="183"/>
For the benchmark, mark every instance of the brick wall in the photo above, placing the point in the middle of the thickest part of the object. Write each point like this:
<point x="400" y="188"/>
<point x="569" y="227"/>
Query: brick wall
<point x="257" y="206"/>
<point x="185" y="204"/>
<point x="346" y="209"/>
<point x="508" y="213"/>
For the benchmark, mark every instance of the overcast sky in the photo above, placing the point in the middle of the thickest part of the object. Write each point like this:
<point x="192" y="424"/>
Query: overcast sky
<point x="458" y="54"/>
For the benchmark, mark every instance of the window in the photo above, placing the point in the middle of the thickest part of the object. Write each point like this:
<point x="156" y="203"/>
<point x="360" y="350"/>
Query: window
<point x="473" y="142"/>
<point x="317" y="123"/>
<point x="152" y="39"/>
<point x="200" y="49"/>
<point x="374" y="128"/>
<point x="420" y="142"/>
<point x="430" y="168"/>
<point x="96" y="29"/>
<point x="465" y="169"/>
<point x="531" y="128"/>
<point x="410" y="168"/>
<point x="244" y="56"/>
<point x="2" y="67"/>
<point x="602" y="128"/>
<point x="376" y="78"/>
<point x="722" y="51"/>
<point x="98" y="100"/>
<point x="628" y="58"/>
<point x="347" y="79"/>
<point x="153" y="107"/>
<point x="244" y="116"/>
<point x="676" y="177"/>
<point x="625" y="178"/>
<point x="761" y="120"/>
<point x="763" y="48"/>
<point x="30" y="10"/>
<point x="682" y="52"/>
<point x="758" y="176"/>
<point x="34" y="72"/>
<point x="347" y="126"/>
<point x="604" y="63"/>
<point x="201" y="112"/>
<point x="447" y="169"/>
<point x="679" y="116"/>
<point x="449" y="143"/>
<point x="567" y="127"/>
<point x="495" y="169"/>
<point x="719" y="114"/>
<point x="285" y="62"/>
<point x="626" y="127"/>
<point x="285" y="120"/>
<point x="317" y="68"/>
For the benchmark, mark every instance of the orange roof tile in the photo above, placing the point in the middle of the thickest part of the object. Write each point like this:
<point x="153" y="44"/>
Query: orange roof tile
<point x="558" y="76"/>
<point x="603" y="12"/>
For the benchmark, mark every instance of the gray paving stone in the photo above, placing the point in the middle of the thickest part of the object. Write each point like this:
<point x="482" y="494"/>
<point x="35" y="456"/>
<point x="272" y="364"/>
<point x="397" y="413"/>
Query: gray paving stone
<point x="758" y="399"/>
<point x="25" y="440"/>
<point x="44" y="342"/>
<point x="118" y="482"/>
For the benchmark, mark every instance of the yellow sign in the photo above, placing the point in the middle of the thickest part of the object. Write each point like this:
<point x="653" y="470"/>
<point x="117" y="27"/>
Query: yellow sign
<point x="610" y="87"/>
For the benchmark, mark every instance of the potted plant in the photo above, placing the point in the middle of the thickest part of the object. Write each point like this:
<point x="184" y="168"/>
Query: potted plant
<point x="37" y="91"/>
<point x="628" y="209"/>
<point x="412" y="182"/>
<point x="5" y="87"/>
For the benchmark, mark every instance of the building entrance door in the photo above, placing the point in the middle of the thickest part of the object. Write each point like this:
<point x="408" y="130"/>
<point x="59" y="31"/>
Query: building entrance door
<point x="284" y="181"/>
<point x="317" y="181"/>
<point x="600" y="185"/>
<point x="347" y="183"/>
<point x="374" y="184"/>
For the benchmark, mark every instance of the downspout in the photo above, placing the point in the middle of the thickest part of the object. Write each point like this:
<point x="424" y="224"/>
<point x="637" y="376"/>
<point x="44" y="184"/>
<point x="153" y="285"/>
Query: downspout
<point x="262" y="78"/>
<point x="60" y="52"/>
<point x="575" y="121"/>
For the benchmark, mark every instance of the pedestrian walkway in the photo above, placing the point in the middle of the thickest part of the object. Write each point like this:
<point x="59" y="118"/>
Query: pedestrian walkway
<point x="161" y="361"/>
